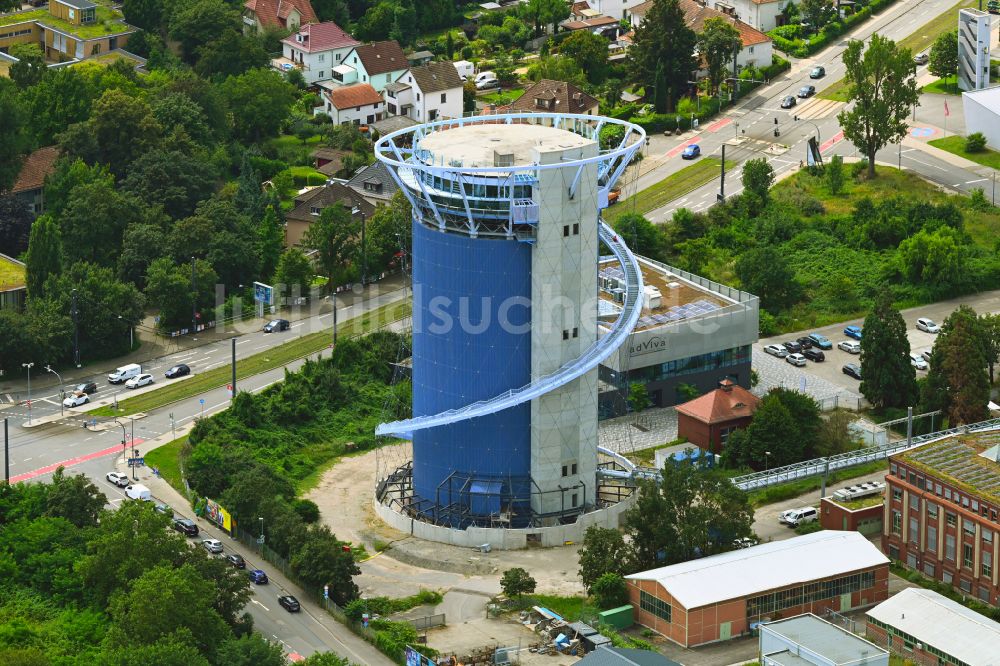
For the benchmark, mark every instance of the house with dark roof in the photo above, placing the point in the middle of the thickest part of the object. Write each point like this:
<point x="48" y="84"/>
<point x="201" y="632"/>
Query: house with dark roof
<point x="757" y="47"/>
<point x="374" y="183"/>
<point x="328" y="161"/>
<point x="309" y="205"/>
<point x="259" y="15"/>
<point x="377" y="64"/>
<point x="708" y="420"/>
<point x="426" y="93"/>
<point x="315" y="50"/>
<point x="359" y="104"/>
<point x="548" y="96"/>
<point x="30" y="183"/>
<point x="612" y="656"/>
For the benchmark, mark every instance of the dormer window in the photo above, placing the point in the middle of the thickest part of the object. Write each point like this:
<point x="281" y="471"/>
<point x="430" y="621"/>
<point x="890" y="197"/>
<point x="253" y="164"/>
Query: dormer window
<point x="315" y="210"/>
<point x="372" y="186"/>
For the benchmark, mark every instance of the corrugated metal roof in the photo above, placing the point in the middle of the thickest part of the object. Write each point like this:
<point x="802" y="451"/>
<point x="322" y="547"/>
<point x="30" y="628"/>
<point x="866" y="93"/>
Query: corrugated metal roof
<point x="829" y="641"/>
<point x="937" y="621"/>
<point x="612" y="656"/>
<point x="769" y="566"/>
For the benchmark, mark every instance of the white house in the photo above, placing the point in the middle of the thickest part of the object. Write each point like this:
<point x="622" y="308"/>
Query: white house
<point x="762" y="15"/>
<point x="982" y="114"/>
<point x="757" y="47"/>
<point x="616" y="9"/>
<point x="429" y="92"/>
<point x="315" y="50"/>
<point x="377" y="64"/>
<point x="359" y="104"/>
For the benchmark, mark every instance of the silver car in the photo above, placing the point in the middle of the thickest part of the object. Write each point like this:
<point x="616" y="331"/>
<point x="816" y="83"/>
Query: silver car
<point x="850" y="346"/>
<point x="917" y="361"/>
<point x="927" y="325"/>
<point x="776" y="350"/>
<point x="212" y="545"/>
<point x="797" y="360"/>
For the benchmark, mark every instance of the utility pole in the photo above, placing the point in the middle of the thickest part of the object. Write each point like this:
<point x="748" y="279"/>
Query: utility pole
<point x="62" y="388"/>
<point x="234" y="368"/>
<point x="333" y="299"/>
<point x="29" y="366"/>
<point x="364" y="253"/>
<point x="194" y="300"/>
<point x="132" y="420"/>
<point x="722" y="176"/>
<point x="76" y="331"/>
<point x="122" y="425"/>
<point x="6" y="452"/>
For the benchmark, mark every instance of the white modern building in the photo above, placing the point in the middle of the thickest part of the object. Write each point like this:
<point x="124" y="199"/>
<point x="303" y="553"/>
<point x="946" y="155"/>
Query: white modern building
<point x="982" y="114"/>
<point x="973" y="49"/>
<point x="426" y="93"/>
<point x="377" y="64"/>
<point x="359" y="104"/>
<point x="315" y="50"/>
<point x="806" y="640"/>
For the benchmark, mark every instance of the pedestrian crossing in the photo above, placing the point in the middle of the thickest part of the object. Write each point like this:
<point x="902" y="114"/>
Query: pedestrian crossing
<point x="818" y="108"/>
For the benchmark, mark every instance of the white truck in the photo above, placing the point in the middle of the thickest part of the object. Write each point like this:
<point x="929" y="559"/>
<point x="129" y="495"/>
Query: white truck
<point x="124" y="373"/>
<point x="465" y="69"/>
<point x="137" y="491"/>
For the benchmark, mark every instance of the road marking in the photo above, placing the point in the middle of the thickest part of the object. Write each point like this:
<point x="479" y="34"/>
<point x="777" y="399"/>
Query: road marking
<point x="678" y="149"/>
<point x="970" y="182"/>
<point x="27" y="460"/>
<point x="70" y="462"/>
<point x="243" y="342"/>
<point x="829" y="143"/>
<point x="10" y="398"/>
<point x="719" y="124"/>
<point x="262" y="606"/>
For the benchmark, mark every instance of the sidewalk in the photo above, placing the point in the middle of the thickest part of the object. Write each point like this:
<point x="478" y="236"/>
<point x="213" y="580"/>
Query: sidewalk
<point x="341" y="640"/>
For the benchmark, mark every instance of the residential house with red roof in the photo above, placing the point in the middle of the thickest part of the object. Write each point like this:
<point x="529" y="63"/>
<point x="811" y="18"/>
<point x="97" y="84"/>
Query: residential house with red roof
<point x="259" y="15"/>
<point x="315" y="50"/>
<point x="359" y="104"/>
<point x="708" y="420"/>
<point x="30" y="183"/>
<point x="757" y="47"/>
<point x="377" y="64"/>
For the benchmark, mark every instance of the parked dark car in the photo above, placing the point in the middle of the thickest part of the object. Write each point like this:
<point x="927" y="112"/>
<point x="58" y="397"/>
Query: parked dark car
<point x="818" y="72"/>
<point x="289" y="603"/>
<point x="85" y="387"/>
<point x="236" y="560"/>
<point x="792" y="346"/>
<point x="788" y="102"/>
<point x="186" y="526"/>
<point x="814" y="355"/>
<point x="806" y="342"/>
<point x="821" y="341"/>
<point x="177" y="371"/>
<point x="852" y="370"/>
<point x="257" y="576"/>
<point x="276" y="325"/>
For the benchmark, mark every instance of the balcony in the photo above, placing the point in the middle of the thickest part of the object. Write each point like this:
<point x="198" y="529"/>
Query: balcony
<point x="283" y="64"/>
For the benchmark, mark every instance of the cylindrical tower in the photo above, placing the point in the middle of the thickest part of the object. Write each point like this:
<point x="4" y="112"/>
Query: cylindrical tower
<point x="506" y="339"/>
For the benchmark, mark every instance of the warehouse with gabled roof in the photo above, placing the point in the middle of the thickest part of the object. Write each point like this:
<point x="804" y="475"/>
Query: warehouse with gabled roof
<point x="723" y="596"/>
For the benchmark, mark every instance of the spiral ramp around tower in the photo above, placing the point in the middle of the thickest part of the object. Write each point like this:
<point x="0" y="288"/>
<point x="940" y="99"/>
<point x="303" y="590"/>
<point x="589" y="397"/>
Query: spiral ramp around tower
<point x="600" y="350"/>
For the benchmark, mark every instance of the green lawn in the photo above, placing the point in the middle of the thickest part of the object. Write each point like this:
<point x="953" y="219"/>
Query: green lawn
<point x="942" y="87"/>
<point x="672" y="187"/>
<point x="785" y="491"/>
<point x="11" y="274"/>
<point x="836" y="91"/>
<point x="502" y="97"/>
<point x="167" y="459"/>
<point x="256" y="364"/>
<point x="956" y="146"/>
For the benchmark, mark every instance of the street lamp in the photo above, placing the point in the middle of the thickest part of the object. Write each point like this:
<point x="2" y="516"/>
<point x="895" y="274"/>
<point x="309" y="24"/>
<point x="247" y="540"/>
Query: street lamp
<point x="29" y="366"/>
<point x="260" y="541"/>
<point x="131" y="339"/>
<point x="767" y="459"/>
<point x="62" y="388"/>
<point x="122" y="426"/>
<point x="132" y="421"/>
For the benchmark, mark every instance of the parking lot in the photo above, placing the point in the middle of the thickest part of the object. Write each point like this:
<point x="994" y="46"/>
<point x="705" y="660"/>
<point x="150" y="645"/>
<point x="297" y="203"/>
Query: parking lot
<point x="826" y="379"/>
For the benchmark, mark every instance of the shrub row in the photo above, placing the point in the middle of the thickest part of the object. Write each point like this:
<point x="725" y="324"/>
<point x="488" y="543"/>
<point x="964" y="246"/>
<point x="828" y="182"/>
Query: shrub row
<point x="788" y="38"/>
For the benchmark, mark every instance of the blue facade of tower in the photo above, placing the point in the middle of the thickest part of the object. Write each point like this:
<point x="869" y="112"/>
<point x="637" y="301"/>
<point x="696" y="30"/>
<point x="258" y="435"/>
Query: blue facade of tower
<point x="471" y="342"/>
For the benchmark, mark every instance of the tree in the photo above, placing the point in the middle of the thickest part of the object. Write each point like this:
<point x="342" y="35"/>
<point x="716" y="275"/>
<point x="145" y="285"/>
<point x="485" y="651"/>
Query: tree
<point x="30" y="67"/>
<point x="881" y="82"/>
<point x="890" y="380"/>
<point x="13" y="133"/>
<point x="660" y="92"/>
<point x="817" y="13"/>
<point x="75" y="498"/>
<point x="764" y="271"/>
<point x="638" y="396"/>
<point x="146" y="14"/>
<point x="231" y="54"/>
<point x="975" y="143"/>
<point x="758" y="177"/>
<point x="259" y="100"/>
<point x="335" y="237"/>
<point x="270" y="241"/>
<point x="177" y="111"/>
<point x="15" y="226"/>
<point x="44" y="257"/>
<point x="251" y="650"/>
<point x="642" y="236"/>
<point x="933" y="258"/>
<point x="332" y="10"/>
<point x="546" y="12"/>
<point x="142" y="244"/>
<point x="718" y="43"/>
<point x="590" y="52"/>
<point x="170" y="179"/>
<point x="321" y="560"/>
<point x="94" y="222"/>
<point x="663" y="38"/>
<point x="610" y="591"/>
<point x="990" y="327"/>
<point x="772" y="438"/>
<point x="834" y="173"/>
<point x="557" y="68"/>
<point x="249" y="198"/>
<point x="604" y="551"/>
<point x="195" y="23"/>
<point x="168" y="287"/>
<point x="64" y="96"/>
<point x="325" y="659"/>
<point x="835" y="435"/>
<point x="516" y="582"/>
<point x="404" y="23"/>
<point x="693" y="512"/>
<point x="389" y="233"/>
<point x="804" y="411"/>
<point x="120" y="129"/>
<point x="943" y="61"/>
<point x="294" y="271"/>
<point x="957" y="381"/>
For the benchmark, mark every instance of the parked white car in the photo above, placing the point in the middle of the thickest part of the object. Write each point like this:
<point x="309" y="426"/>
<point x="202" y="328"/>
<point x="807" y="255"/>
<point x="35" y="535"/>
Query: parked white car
<point x="76" y="399"/>
<point x="797" y="360"/>
<point x="927" y="325"/>
<point x="486" y="84"/>
<point x="796" y="517"/>
<point x="917" y="361"/>
<point x="141" y="380"/>
<point x="776" y="350"/>
<point x="117" y="478"/>
<point x="212" y="545"/>
<point x="850" y="346"/>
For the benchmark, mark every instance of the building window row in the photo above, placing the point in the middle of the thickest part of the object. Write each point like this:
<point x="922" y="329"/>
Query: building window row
<point x="767" y="604"/>
<point x="912" y="641"/>
<point x="654" y="605"/>
<point x="942" y="491"/>
<point x="692" y="364"/>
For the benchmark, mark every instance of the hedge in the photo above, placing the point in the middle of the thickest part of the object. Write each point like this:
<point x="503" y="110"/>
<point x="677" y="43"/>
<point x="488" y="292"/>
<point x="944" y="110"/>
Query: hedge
<point x="787" y="38"/>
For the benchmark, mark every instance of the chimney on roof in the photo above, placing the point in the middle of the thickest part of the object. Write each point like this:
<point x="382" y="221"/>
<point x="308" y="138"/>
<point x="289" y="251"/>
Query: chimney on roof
<point x="726" y="385"/>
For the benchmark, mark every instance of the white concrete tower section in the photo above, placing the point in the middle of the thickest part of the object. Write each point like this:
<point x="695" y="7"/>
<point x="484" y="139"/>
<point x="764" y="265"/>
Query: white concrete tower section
<point x="564" y="317"/>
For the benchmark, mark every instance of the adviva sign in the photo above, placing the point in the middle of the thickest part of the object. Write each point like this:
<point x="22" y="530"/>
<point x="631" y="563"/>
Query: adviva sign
<point x="648" y="346"/>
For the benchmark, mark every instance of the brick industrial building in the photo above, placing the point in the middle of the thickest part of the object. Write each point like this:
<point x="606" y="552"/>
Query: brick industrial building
<point x="708" y="420"/>
<point x="941" y="512"/>
<point x="720" y="597"/>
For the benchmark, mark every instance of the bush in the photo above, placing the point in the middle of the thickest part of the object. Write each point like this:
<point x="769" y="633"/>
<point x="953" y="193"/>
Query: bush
<point x="975" y="143"/>
<point x="610" y="591"/>
<point x="859" y="168"/>
<point x="306" y="510"/>
<point x="516" y="582"/>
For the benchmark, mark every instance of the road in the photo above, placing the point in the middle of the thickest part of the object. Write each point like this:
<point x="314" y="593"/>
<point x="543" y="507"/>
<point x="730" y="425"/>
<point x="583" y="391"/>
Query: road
<point x="747" y="130"/>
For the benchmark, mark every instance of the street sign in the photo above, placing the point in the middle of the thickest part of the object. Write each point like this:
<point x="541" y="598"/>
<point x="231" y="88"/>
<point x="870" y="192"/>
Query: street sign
<point x="326" y="591"/>
<point x="201" y="401"/>
<point x="260" y="539"/>
<point x="136" y="462"/>
<point x="263" y="293"/>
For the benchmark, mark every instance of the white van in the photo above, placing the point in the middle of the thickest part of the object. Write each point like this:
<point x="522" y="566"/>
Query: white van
<point x="124" y="373"/>
<point x="464" y="68"/>
<point x="139" y="492"/>
<point x="796" y="517"/>
<point x="483" y="76"/>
